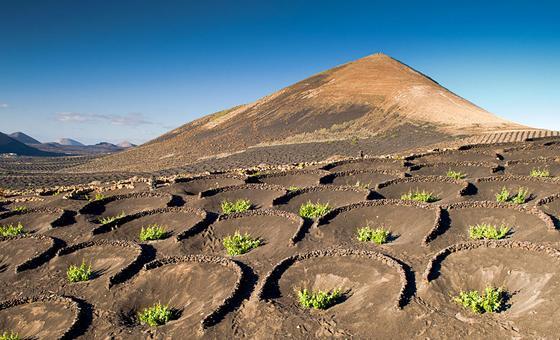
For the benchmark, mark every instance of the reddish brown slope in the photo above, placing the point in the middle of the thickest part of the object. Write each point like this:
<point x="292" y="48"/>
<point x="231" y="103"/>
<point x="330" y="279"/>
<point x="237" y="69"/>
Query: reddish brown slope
<point x="363" y="98"/>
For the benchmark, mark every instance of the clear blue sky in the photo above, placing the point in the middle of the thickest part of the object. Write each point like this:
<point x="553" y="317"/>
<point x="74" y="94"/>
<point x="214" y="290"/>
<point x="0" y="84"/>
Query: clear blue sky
<point x="114" y="70"/>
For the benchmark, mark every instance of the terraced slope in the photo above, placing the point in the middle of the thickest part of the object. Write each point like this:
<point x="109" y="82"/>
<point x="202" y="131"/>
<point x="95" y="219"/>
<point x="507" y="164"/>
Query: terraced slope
<point x="406" y="284"/>
<point x="372" y="96"/>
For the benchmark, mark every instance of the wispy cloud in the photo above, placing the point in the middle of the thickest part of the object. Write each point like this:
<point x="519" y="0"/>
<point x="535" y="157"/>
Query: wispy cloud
<point x="4" y="105"/>
<point x="130" y="119"/>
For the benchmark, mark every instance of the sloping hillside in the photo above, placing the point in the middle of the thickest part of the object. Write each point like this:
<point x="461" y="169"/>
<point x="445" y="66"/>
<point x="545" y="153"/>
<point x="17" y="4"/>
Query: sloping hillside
<point x="368" y="97"/>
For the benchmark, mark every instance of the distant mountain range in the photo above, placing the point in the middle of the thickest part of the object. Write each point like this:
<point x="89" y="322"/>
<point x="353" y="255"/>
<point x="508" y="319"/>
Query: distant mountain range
<point x="10" y="145"/>
<point x="24" y="145"/>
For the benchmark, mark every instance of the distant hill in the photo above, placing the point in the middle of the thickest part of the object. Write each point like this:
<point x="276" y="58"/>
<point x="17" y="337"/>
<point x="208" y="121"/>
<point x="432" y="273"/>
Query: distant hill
<point x="69" y="146"/>
<point x="369" y="97"/>
<point x="10" y="145"/>
<point x="69" y="142"/>
<point x="99" y="148"/>
<point x="126" y="144"/>
<point x="23" y="138"/>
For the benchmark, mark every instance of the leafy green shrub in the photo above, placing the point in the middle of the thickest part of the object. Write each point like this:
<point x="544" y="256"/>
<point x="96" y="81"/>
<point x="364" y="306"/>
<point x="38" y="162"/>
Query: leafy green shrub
<point x="97" y="197"/>
<point x="109" y="219"/>
<point x="488" y="231"/>
<point x="156" y="315"/>
<point x="314" y="210"/>
<point x="378" y="236"/>
<point x="420" y="196"/>
<point x="539" y="173"/>
<point x="79" y="273"/>
<point x="521" y="197"/>
<point x="456" y="174"/>
<point x="153" y="232"/>
<point x="10" y="230"/>
<point x="9" y="336"/>
<point x="361" y="185"/>
<point x="503" y="195"/>
<point x="238" y="244"/>
<point x="19" y="208"/>
<point x="318" y="299"/>
<point x="229" y="207"/>
<point x="492" y="300"/>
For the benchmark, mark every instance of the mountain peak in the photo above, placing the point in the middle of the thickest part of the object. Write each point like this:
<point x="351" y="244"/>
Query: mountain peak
<point x="369" y="97"/>
<point x="126" y="144"/>
<point x="69" y="141"/>
<point x="11" y="145"/>
<point x="23" y="138"/>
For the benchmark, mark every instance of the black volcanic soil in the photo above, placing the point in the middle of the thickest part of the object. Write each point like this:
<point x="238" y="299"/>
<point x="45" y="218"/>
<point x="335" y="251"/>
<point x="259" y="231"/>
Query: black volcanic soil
<point x="401" y="289"/>
<point x="468" y="170"/>
<point x="38" y="320"/>
<point x="524" y="225"/>
<point x="260" y="195"/>
<point x="38" y="174"/>
<point x="192" y="290"/>
<point x="276" y="231"/>
<point x="361" y="178"/>
<point x="488" y="188"/>
<point x="444" y="189"/>
<point x="370" y="288"/>
<point x="334" y="196"/>
<point x="530" y="276"/>
<point x="409" y="224"/>
<point x="32" y="221"/>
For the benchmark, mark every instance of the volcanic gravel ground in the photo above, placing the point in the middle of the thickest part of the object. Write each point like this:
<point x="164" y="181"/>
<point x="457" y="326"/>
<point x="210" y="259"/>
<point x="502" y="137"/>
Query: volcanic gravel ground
<point x="400" y="289"/>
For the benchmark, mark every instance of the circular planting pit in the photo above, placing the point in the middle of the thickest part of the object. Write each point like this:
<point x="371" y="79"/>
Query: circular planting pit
<point x="464" y="154"/>
<point x="111" y="262"/>
<point x="41" y="317"/>
<point x="489" y="187"/>
<point x="410" y="223"/>
<point x="287" y="179"/>
<point x="27" y="202"/>
<point x="367" y="164"/>
<point x="177" y="222"/>
<point x="524" y="168"/>
<point x="467" y="169"/>
<point x="372" y="286"/>
<point x="526" y="271"/>
<point x="368" y="179"/>
<point x="39" y="220"/>
<point x="551" y="206"/>
<point x="25" y="252"/>
<point x="277" y="230"/>
<point x="443" y="189"/>
<point x="531" y="151"/>
<point x="260" y="195"/>
<point x="334" y="196"/>
<point x="524" y="224"/>
<point x="198" y="289"/>
<point x="196" y="185"/>
<point x="129" y="204"/>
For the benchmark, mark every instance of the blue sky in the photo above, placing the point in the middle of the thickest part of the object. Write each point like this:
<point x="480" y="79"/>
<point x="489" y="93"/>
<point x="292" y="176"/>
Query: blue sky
<point x="115" y="70"/>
